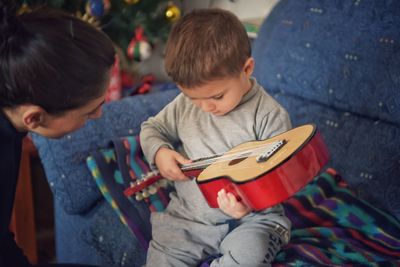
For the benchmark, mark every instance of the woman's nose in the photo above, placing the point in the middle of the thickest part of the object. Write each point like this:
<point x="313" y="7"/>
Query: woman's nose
<point x="97" y="114"/>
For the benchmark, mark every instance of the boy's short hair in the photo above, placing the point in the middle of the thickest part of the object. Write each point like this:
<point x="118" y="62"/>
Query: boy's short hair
<point x="204" y="45"/>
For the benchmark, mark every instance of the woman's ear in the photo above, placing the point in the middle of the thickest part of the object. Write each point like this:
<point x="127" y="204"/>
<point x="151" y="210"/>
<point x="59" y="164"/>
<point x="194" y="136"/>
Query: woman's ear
<point x="248" y="67"/>
<point x="33" y="116"/>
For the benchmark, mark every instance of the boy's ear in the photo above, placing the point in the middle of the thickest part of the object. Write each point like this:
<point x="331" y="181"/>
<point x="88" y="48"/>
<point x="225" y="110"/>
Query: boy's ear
<point x="249" y="67"/>
<point x="33" y="117"/>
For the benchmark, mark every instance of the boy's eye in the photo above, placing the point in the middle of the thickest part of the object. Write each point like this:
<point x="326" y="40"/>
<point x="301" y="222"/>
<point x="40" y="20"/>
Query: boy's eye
<point x="218" y="97"/>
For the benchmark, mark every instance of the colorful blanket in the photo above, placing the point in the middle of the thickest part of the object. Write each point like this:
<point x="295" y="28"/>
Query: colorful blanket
<point x="114" y="169"/>
<point x="331" y="226"/>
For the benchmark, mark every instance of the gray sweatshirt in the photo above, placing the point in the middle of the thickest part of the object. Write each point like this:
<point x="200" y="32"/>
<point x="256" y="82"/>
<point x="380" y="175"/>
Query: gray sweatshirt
<point x="185" y="127"/>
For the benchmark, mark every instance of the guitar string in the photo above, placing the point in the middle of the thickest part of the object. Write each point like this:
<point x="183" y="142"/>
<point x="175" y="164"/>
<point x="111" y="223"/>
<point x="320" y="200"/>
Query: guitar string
<point x="227" y="157"/>
<point x="202" y="164"/>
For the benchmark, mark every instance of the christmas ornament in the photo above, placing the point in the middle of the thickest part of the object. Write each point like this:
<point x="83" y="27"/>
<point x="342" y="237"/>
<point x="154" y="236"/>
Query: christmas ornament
<point x="95" y="8"/>
<point x="144" y="85"/>
<point x="139" y="49"/>
<point x="24" y="9"/>
<point x="88" y="18"/>
<point x="147" y="82"/>
<point x="127" y="80"/>
<point x="107" y="6"/>
<point x="172" y="12"/>
<point x="131" y="2"/>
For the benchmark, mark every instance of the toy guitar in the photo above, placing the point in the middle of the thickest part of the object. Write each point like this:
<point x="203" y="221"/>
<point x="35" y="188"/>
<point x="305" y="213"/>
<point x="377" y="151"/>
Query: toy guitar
<point x="259" y="173"/>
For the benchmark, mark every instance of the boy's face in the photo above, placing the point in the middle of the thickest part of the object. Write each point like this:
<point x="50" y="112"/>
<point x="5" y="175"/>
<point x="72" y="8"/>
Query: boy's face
<point x="221" y="96"/>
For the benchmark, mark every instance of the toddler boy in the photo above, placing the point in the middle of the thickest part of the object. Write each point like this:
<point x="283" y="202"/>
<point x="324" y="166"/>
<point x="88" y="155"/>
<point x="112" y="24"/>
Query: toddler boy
<point x="208" y="55"/>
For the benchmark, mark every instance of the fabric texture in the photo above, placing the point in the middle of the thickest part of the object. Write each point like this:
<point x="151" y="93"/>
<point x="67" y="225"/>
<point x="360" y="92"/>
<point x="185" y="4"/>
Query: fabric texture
<point x="342" y="54"/>
<point x="333" y="63"/>
<point x="331" y="225"/>
<point x="114" y="169"/>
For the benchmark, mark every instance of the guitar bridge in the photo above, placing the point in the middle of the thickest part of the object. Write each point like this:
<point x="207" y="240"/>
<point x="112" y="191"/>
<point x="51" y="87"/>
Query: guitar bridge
<point x="271" y="151"/>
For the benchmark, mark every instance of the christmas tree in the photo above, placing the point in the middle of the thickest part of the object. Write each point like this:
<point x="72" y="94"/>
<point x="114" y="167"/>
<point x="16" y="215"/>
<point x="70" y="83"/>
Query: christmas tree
<point x="119" y="18"/>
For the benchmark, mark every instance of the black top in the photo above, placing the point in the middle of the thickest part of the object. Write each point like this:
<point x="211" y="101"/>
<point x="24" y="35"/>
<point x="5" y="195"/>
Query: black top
<point x="10" y="157"/>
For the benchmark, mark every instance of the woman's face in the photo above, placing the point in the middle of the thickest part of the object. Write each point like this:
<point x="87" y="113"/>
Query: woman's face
<point x="57" y="126"/>
<point x="70" y="121"/>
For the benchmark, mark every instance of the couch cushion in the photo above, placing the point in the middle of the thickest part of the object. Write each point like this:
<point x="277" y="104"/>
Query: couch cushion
<point x="112" y="240"/>
<point x="343" y="54"/>
<point x="365" y="152"/>
<point x="64" y="160"/>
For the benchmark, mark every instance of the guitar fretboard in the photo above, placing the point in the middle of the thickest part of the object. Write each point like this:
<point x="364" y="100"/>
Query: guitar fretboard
<point x="261" y="150"/>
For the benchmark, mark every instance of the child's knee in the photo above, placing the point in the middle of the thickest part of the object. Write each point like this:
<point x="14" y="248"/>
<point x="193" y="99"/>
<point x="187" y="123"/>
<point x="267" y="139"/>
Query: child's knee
<point x="249" y="251"/>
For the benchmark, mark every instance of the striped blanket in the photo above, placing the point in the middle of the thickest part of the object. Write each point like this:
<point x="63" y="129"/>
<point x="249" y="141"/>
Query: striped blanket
<point x="331" y="226"/>
<point x="114" y="169"/>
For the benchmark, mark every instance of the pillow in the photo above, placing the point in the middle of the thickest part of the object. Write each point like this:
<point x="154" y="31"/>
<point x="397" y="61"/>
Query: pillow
<point x="342" y="54"/>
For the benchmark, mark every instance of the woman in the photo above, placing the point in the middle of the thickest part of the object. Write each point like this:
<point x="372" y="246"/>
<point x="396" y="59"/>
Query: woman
<point x="54" y="71"/>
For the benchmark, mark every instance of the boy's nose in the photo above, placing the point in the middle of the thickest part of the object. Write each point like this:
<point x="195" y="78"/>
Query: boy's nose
<point x="207" y="107"/>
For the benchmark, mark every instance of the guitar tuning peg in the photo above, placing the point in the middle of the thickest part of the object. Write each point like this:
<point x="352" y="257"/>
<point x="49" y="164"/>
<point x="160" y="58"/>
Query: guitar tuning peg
<point x="152" y="190"/>
<point x="145" y="193"/>
<point x="138" y="196"/>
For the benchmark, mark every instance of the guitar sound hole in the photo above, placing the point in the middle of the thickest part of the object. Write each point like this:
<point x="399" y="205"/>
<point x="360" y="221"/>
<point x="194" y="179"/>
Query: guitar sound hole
<point x="236" y="161"/>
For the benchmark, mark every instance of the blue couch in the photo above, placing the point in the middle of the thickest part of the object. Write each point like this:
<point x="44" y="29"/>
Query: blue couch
<point x="333" y="63"/>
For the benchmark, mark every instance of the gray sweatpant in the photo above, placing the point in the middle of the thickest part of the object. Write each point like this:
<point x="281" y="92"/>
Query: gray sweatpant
<point x="182" y="237"/>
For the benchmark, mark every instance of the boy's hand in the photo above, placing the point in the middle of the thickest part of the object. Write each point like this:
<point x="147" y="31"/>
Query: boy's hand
<point x="228" y="203"/>
<point x="167" y="162"/>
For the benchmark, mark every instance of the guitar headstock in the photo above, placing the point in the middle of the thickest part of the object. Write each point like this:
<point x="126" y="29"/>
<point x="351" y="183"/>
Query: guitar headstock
<point x="146" y="186"/>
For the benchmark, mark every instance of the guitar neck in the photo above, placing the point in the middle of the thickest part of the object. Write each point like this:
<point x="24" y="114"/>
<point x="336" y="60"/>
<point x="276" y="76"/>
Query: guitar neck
<point x="194" y="168"/>
<point x="200" y="163"/>
<point x="191" y="170"/>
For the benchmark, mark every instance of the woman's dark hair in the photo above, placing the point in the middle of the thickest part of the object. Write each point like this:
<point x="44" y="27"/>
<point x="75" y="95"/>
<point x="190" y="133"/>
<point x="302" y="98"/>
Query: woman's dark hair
<point x="51" y="59"/>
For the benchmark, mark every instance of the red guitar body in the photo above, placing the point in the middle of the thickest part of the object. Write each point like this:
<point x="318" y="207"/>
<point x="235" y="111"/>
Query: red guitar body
<point x="276" y="185"/>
